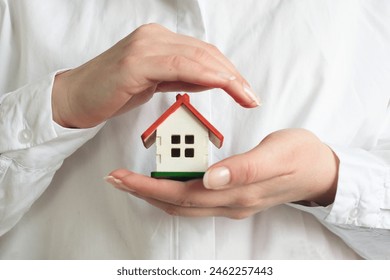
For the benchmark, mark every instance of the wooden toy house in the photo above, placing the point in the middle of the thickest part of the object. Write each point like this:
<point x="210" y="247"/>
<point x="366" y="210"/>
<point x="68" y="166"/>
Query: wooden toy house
<point x="181" y="135"/>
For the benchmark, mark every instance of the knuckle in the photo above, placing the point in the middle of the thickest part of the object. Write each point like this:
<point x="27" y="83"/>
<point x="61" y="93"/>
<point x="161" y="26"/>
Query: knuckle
<point x="140" y="44"/>
<point x="199" y="54"/>
<point x="240" y="215"/>
<point x="247" y="201"/>
<point x="184" y="202"/>
<point x="248" y="172"/>
<point x="212" y="48"/>
<point x="175" y="62"/>
<point x="144" y="36"/>
<point x="148" y="28"/>
<point x="171" y="210"/>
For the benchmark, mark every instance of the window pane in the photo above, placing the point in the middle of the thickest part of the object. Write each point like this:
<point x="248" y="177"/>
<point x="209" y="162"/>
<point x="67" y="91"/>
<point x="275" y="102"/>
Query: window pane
<point x="175" y="139"/>
<point x="189" y="139"/>
<point x="175" y="152"/>
<point x="189" y="153"/>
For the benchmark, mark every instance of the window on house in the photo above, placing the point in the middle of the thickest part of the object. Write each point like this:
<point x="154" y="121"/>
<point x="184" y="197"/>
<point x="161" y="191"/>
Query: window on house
<point x="189" y="153"/>
<point x="189" y="139"/>
<point x="175" y="152"/>
<point x="175" y="139"/>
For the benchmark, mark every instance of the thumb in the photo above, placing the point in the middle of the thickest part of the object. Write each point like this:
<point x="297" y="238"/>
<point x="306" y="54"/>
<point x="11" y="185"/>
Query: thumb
<point x="253" y="166"/>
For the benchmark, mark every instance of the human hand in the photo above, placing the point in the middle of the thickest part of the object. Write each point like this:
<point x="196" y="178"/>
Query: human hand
<point x="151" y="59"/>
<point x="287" y="166"/>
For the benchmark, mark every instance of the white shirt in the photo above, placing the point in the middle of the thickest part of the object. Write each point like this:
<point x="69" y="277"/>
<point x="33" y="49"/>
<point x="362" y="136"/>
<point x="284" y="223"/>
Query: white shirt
<point x="319" y="65"/>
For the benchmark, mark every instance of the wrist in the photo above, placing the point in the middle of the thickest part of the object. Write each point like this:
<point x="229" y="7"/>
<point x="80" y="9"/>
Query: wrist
<point x="59" y="100"/>
<point x="330" y="179"/>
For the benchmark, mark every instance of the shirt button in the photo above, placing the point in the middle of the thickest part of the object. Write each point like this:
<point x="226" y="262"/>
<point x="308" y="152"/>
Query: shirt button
<point x="25" y="136"/>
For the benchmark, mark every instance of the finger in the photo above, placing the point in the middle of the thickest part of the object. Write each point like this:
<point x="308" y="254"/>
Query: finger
<point x="261" y="164"/>
<point x="184" y="194"/>
<point x="175" y="210"/>
<point x="199" y="55"/>
<point x="210" y="57"/>
<point x="179" y="86"/>
<point x="179" y="68"/>
<point x="195" y="52"/>
<point x="164" y="37"/>
<point x="213" y="50"/>
<point x="208" y="66"/>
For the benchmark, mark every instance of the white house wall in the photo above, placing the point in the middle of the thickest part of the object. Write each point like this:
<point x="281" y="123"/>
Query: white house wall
<point x="182" y="122"/>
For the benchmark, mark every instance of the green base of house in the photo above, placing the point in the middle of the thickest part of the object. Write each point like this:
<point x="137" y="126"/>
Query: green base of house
<point x="177" y="176"/>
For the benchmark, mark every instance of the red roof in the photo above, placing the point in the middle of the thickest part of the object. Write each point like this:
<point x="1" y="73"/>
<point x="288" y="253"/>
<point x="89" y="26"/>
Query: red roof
<point x="149" y="136"/>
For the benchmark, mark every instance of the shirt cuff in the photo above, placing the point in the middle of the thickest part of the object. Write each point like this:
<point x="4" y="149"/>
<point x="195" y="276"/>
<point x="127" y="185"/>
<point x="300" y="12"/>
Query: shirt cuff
<point x="26" y="116"/>
<point x="363" y="192"/>
<point x="28" y="133"/>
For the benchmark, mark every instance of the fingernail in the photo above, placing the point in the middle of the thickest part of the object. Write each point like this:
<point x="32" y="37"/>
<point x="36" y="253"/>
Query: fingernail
<point x="117" y="183"/>
<point x="216" y="178"/>
<point x="251" y="94"/>
<point x="226" y="76"/>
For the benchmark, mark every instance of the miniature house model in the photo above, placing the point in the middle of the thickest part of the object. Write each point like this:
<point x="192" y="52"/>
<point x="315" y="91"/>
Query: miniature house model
<point x="181" y="135"/>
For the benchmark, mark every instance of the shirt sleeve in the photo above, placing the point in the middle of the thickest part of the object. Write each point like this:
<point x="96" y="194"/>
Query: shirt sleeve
<point x="360" y="214"/>
<point x="32" y="148"/>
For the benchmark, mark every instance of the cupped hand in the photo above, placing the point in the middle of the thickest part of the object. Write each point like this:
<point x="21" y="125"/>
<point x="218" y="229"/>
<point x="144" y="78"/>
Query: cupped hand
<point x="287" y="166"/>
<point x="151" y="59"/>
